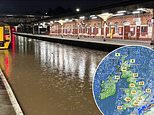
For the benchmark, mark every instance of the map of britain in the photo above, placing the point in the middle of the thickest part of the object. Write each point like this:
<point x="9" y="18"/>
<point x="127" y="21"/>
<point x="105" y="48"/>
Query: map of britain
<point x="124" y="82"/>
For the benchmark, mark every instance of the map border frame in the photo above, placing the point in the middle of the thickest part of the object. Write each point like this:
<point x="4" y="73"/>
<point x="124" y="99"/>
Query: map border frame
<point x="99" y="65"/>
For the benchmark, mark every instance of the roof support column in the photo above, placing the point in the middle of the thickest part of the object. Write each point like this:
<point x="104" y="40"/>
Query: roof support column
<point x="33" y="29"/>
<point x="61" y="22"/>
<point x="39" y="29"/>
<point x="105" y="17"/>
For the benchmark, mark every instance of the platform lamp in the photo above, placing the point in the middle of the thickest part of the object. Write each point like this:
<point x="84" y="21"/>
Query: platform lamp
<point x="77" y="9"/>
<point x="61" y="22"/>
<point x="77" y="25"/>
<point x="77" y="20"/>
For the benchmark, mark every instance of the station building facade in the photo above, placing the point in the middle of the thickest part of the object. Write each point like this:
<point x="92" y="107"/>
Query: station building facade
<point x="130" y="27"/>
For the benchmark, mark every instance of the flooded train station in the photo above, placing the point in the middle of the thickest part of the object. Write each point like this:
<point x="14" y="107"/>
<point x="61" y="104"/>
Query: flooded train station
<point x="51" y="78"/>
<point x="50" y="56"/>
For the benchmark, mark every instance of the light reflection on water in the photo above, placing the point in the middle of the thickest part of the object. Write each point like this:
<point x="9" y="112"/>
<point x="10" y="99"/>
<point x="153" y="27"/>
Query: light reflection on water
<point x="67" y="59"/>
<point x="53" y="79"/>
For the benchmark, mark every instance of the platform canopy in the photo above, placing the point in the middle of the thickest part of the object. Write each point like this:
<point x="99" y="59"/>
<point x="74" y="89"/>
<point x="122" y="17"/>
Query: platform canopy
<point x="110" y="7"/>
<point x="13" y="19"/>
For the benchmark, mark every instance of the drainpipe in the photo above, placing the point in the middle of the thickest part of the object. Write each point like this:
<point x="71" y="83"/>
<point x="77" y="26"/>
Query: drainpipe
<point x="152" y="39"/>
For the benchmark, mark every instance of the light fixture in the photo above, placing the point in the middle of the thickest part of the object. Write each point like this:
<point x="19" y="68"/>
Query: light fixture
<point x="55" y="21"/>
<point x="120" y="14"/>
<point x="66" y="20"/>
<point x="136" y="12"/>
<point x="82" y="17"/>
<point x="9" y="15"/>
<point x="92" y="16"/>
<point x="141" y="9"/>
<point x="51" y="22"/>
<point x="70" y="20"/>
<point x="122" y="11"/>
<point x="78" y="9"/>
<point x="95" y="17"/>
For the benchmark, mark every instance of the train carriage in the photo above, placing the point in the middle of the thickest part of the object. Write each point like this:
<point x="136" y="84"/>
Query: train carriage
<point x="5" y="37"/>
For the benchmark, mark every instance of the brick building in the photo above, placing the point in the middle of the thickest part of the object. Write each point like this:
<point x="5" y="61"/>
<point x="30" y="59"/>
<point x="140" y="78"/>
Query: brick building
<point x="136" y="26"/>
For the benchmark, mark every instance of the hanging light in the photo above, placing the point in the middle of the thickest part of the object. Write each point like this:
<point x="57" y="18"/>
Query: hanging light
<point x="136" y="12"/>
<point x="122" y="11"/>
<point x="82" y="17"/>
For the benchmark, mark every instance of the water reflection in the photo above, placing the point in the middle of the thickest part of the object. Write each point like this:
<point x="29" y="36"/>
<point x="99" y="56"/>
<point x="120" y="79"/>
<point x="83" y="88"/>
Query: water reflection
<point x="67" y="59"/>
<point x="5" y="61"/>
<point x="53" y="79"/>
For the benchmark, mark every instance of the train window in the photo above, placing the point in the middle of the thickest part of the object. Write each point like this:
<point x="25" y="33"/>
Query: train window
<point x="6" y="31"/>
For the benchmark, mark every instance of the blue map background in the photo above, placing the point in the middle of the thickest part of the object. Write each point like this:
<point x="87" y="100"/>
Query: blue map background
<point x="143" y="56"/>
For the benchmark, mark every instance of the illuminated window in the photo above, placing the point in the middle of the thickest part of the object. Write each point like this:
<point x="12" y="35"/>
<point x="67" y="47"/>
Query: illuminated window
<point x="144" y="29"/>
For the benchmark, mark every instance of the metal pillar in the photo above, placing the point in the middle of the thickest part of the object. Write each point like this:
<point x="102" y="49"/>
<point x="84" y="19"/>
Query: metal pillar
<point x="62" y="30"/>
<point x="105" y="17"/>
<point x="38" y="28"/>
<point x="105" y="25"/>
<point x="78" y="29"/>
<point x="33" y="29"/>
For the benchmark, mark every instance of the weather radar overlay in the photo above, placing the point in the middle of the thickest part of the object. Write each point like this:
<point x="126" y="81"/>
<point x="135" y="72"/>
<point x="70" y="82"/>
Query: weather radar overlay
<point x="124" y="82"/>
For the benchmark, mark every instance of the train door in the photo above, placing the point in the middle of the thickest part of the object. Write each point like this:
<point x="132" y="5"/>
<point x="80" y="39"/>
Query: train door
<point x="7" y="36"/>
<point x="126" y="32"/>
<point x="7" y="33"/>
<point x="138" y="30"/>
<point x="1" y="36"/>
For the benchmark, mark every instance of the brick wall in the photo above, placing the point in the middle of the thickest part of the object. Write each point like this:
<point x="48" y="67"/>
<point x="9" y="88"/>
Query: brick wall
<point x="123" y="27"/>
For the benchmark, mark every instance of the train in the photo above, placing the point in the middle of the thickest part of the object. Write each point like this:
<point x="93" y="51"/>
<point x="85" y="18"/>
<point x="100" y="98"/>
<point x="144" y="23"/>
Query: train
<point x="5" y="36"/>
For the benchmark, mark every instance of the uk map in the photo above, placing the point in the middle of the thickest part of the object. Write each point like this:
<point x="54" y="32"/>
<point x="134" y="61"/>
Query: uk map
<point x="124" y="82"/>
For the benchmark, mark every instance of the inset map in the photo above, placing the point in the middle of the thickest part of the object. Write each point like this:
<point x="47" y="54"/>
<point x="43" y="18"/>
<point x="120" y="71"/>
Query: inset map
<point x="124" y="82"/>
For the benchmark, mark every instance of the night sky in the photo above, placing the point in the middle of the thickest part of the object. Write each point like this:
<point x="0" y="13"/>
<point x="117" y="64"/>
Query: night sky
<point x="20" y="6"/>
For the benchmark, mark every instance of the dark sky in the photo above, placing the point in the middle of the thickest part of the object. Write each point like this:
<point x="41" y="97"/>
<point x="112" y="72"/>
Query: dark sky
<point x="35" y="5"/>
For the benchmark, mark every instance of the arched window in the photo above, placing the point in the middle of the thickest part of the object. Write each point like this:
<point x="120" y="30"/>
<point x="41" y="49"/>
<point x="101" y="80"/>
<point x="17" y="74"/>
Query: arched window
<point x="126" y="23"/>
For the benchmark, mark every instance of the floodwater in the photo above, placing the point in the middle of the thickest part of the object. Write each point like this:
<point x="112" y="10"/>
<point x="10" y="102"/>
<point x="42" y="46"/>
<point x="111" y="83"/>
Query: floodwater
<point x="50" y="78"/>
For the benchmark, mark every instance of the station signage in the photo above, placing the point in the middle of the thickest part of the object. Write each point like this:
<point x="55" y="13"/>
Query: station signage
<point x="137" y="21"/>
